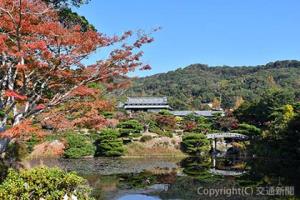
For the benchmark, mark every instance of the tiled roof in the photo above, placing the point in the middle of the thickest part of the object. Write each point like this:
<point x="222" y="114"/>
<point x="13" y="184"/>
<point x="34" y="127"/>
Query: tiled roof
<point x="205" y="113"/>
<point x="146" y="100"/>
<point x="147" y="106"/>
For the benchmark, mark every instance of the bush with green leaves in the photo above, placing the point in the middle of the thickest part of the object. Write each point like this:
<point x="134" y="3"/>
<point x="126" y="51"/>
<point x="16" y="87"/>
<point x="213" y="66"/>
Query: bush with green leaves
<point x="2" y="113"/>
<point x="34" y="140"/>
<point x="130" y="127"/>
<point x="16" y="151"/>
<point x="195" y="144"/>
<point x="260" y="113"/>
<point x="248" y="129"/>
<point x="160" y="132"/>
<point x="198" y="167"/>
<point x="138" y="180"/>
<point x="204" y="128"/>
<point x="78" y="146"/>
<point x="165" y="112"/>
<point x="109" y="143"/>
<point x="43" y="183"/>
<point x="107" y="114"/>
<point x="191" y="117"/>
<point x="3" y="170"/>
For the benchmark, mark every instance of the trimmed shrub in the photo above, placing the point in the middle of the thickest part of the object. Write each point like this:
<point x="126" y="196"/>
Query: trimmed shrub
<point x="108" y="115"/>
<point x="249" y="130"/>
<point x="195" y="144"/>
<point x="43" y="183"/>
<point x="130" y="127"/>
<point x="78" y="146"/>
<point x="108" y="143"/>
<point x="191" y="117"/>
<point x="165" y="112"/>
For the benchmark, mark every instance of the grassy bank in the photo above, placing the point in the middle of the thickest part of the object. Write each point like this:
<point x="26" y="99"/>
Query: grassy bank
<point x="137" y="149"/>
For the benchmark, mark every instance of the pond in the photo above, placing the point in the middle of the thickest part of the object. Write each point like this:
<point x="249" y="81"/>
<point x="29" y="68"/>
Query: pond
<point x="153" y="178"/>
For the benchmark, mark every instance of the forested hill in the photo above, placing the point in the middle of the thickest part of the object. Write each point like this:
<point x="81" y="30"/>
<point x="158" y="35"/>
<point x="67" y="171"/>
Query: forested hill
<point x="191" y="86"/>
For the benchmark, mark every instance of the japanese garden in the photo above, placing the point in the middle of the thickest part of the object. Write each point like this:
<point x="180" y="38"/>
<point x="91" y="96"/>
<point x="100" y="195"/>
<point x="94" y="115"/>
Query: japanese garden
<point x="72" y="127"/>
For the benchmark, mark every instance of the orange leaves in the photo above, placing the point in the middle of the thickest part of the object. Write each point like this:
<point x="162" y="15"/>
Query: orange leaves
<point x="95" y="104"/>
<point x="85" y="91"/>
<point x="40" y="44"/>
<point x="11" y="93"/>
<point x="84" y="114"/>
<point x="3" y="38"/>
<point x="56" y="121"/>
<point x="24" y="129"/>
<point x="21" y="67"/>
<point x="166" y="121"/>
<point x="64" y="73"/>
<point x="189" y="126"/>
<point x="91" y="119"/>
<point x="115" y="86"/>
<point x="47" y="55"/>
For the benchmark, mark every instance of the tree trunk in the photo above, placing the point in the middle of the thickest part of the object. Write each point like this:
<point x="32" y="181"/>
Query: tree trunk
<point x="3" y="141"/>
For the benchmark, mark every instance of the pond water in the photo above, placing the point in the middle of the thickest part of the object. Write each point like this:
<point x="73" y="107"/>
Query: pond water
<point x="189" y="178"/>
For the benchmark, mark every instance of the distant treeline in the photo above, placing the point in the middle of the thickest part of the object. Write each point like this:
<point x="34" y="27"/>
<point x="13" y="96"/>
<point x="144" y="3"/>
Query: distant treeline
<point x="190" y="87"/>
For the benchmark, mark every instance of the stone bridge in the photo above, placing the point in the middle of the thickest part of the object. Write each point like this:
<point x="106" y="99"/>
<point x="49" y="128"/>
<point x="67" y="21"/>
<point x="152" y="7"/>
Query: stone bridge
<point x="226" y="172"/>
<point x="227" y="135"/>
<point x="215" y="136"/>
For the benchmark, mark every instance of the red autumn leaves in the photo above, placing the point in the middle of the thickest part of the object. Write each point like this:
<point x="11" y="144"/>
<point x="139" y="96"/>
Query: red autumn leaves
<point x="11" y="93"/>
<point x="23" y="130"/>
<point x="43" y="64"/>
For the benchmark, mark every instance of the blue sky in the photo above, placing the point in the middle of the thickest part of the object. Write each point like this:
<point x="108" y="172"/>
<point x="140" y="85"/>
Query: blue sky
<point x="213" y="32"/>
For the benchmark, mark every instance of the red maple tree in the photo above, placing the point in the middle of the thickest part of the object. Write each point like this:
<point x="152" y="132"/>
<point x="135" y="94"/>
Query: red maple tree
<point x="84" y="112"/>
<point x="41" y="60"/>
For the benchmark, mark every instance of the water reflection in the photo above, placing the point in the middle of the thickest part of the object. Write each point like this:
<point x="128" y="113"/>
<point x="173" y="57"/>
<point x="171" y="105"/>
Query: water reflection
<point x="228" y="166"/>
<point x="138" y="197"/>
<point x="171" y="178"/>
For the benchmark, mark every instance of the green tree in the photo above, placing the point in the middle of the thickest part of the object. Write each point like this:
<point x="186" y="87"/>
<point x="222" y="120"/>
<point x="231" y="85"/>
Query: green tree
<point x="191" y="117"/>
<point x="198" y="168"/>
<point x="291" y="138"/>
<point x="281" y="118"/>
<point x="177" y="103"/>
<point x="43" y="183"/>
<point x="108" y="143"/>
<point x="65" y="3"/>
<point x="248" y="129"/>
<point x="130" y="128"/>
<point x="204" y="125"/>
<point x="259" y="113"/>
<point x="78" y="146"/>
<point x="195" y="144"/>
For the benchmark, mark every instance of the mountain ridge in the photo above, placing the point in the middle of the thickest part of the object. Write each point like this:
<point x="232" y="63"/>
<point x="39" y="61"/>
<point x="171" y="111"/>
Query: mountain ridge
<point x="206" y="66"/>
<point x="190" y="86"/>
